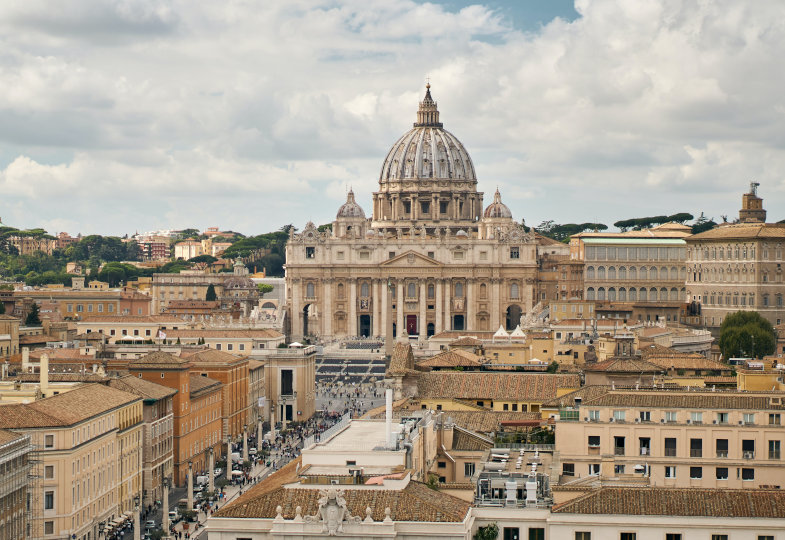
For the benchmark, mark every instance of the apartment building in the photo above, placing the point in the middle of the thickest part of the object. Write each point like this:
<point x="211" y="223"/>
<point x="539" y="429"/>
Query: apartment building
<point x="232" y="372"/>
<point x="644" y="267"/>
<point x="674" y="438"/>
<point x="89" y="448"/>
<point x="27" y="245"/>
<point x="197" y="409"/>
<point x="559" y="277"/>
<point x="232" y="340"/>
<point x="9" y="336"/>
<point x="290" y="384"/>
<point x="738" y="267"/>
<point x="158" y="438"/>
<point x="15" y="478"/>
<point x="129" y="327"/>
<point x="80" y="303"/>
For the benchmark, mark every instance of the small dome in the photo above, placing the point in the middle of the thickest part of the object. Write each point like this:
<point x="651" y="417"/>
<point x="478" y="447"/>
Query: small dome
<point x="462" y="233"/>
<point x="350" y="208"/>
<point x="370" y="233"/>
<point x="497" y="209"/>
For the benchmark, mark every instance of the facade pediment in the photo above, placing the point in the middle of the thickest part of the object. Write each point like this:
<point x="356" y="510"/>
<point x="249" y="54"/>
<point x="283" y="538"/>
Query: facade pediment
<point x="410" y="258"/>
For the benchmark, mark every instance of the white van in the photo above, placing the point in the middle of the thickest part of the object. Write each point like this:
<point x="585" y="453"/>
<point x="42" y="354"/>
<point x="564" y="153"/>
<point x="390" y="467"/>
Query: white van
<point x="202" y="480"/>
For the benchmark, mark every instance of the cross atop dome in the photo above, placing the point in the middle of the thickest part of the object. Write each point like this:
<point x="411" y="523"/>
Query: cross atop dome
<point x="428" y="114"/>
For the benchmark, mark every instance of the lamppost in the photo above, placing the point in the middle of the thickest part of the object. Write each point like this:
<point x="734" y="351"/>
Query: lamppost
<point x="190" y="486"/>
<point x="137" y="525"/>
<point x="101" y="528"/>
<point x="165" y="509"/>
<point x="211" y="471"/>
<point x="245" y="443"/>
<point x="388" y="331"/>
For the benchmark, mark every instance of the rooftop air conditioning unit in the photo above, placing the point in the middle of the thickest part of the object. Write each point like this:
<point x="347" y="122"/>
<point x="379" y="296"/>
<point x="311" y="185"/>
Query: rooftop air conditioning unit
<point x="714" y="422"/>
<point x="662" y="420"/>
<point x="612" y="419"/>
<point x="689" y="421"/>
<point x="741" y="422"/>
<point x="585" y="418"/>
<point x="637" y="420"/>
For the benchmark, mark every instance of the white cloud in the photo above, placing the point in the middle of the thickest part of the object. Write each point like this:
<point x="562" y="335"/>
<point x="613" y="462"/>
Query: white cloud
<point x="261" y="113"/>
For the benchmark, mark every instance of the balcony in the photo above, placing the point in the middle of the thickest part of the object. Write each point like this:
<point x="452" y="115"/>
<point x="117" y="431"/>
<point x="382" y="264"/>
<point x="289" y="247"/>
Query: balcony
<point x="748" y="454"/>
<point x="695" y="452"/>
<point x="645" y="451"/>
<point x="618" y="450"/>
<point x="774" y="454"/>
<point x="569" y="415"/>
<point x="722" y="454"/>
<point x="290" y="396"/>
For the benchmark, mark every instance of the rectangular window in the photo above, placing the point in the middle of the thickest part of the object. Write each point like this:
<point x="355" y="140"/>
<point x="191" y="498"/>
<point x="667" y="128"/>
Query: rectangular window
<point x="670" y="471"/>
<point x="218" y="346"/>
<point x="619" y="416"/>
<point x="594" y="415"/>
<point x="100" y="308"/>
<point x="594" y="469"/>
<point x="748" y="474"/>
<point x="49" y="527"/>
<point x="645" y="416"/>
<point x="49" y="441"/>
<point x="536" y="533"/>
<point x="628" y="536"/>
<point x="670" y="447"/>
<point x="242" y="346"/>
<point x="748" y="448"/>
<point x="568" y="469"/>
<point x="365" y="255"/>
<point x="774" y="419"/>
<point x="774" y="449"/>
<point x="49" y="500"/>
<point x="79" y="308"/>
<point x="618" y="446"/>
<point x="696" y="447"/>
<point x="89" y="308"/>
<point x="722" y="418"/>
<point x="722" y="473"/>
<point x="765" y="537"/>
<point x="696" y="473"/>
<point x="581" y="535"/>
<point x="749" y="418"/>
<point x="310" y="252"/>
<point x="719" y="537"/>
<point x="618" y="469"/>
<point x="111" y="308"/>
<point x="722" y="448"/>
<point x="229" y="346"/>
<point x="468" y="469"/>
<point x="672" y="536"/>
<point x="594" y="441"/>
<point x="442" y="207"/>
<point x="391" y="255"/>
<point x="49" y="471"/>
<point x="515" y="253"/>
<point x="696" y="417"/>
<point x="69" y="308"/>
<point x="670" y="416"/>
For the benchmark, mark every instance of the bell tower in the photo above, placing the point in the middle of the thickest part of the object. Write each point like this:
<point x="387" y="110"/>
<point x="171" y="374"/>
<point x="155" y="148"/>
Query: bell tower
<point x="752" y="206"/>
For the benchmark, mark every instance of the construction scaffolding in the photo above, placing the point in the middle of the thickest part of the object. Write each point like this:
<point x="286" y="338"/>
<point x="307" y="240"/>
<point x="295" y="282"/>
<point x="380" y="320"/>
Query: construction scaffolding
<point x="15" y="488"/>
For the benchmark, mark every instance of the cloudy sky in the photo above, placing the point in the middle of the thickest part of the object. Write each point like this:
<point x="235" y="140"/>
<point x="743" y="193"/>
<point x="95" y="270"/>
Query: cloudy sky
<point x="126" y="115"/>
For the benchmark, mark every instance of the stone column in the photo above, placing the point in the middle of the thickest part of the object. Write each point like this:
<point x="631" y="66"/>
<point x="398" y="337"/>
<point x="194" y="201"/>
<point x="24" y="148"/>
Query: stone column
<point x="384" y="307"/>
<point x="413" y="202"/>
<point x="165" y="511"/>
<point x="375" y="304"/>
<point x="245" y="444"/>
<point x="327" y="313"/>
<point x="211" y="472"/>
<point x="399" y="327"/>
<point x="394" y="207"/>
<point x="470" y="308"/>
<point x="353" y="307"/>
<point x="297" y="310"/>
<point x="495" y="304"/>
<point x="422" y="326"/>
<point x="190" y="486"/>
<point x="447" y="305"/>
<point x="228" y="456"/>
<point x="434" y="207"/>
<point x="439" y="303"/>
<point x="137" y="520"/>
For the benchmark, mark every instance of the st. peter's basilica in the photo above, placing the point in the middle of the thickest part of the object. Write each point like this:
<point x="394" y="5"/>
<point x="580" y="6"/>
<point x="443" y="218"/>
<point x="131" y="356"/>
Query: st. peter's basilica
<point x="429" y="259"/>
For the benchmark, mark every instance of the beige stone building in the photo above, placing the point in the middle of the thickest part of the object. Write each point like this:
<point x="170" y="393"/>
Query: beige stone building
<point x="675" y="438"/>
<point x="429" y="259"/>
<point x="89" y="443"/>
<point x="290" y="384"/>
<point x="643" y="268"/>
<point x="130" y="327"/>
<point x="9" y="336"/>
<point x="738" y="267"/>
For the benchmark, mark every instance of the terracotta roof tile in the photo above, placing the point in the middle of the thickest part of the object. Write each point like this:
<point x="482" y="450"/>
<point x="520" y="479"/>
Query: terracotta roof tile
<point x="494" y="386"/>
<point x="9" y="436"/>
<point x="660" y="501"/>
<point x="742" y="230"/>
<point x="198" y="384"/>
<point x="402" y="359"/>
<point x="141" y="387"/>
<point x="453" y="358"/>
<point x="158" y="359"/>
<point x="678" y="398"/>
<point x="623" y="365"/>
<point x="213" y="356"/>
<point x="258" y="333"/>
<point x="670" y="358"/>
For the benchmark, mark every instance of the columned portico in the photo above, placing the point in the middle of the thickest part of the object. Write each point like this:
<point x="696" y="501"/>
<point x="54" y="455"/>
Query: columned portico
<point x="399" y="326"/>
<point x="422" y="325"/>
<point x="438" y="312"/>
<point x="470" y="311"/>
<point x="353" y="307"/>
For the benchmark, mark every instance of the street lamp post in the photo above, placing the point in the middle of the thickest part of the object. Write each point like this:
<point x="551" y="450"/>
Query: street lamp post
<point x="259" y="430"/>
<point x="245" y="443"/>
<point x="165" y="510"/>
<point x="101" y="528"/>
<point x="137" y="524"/>
<point x="211" y="472"/>
<point x="190" y="486"/>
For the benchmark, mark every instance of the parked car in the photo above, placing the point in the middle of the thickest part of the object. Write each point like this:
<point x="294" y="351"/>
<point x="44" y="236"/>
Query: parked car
<point x="174" y="516"/>
<point x="150" y="524"/>
<point x="252" y="451"/>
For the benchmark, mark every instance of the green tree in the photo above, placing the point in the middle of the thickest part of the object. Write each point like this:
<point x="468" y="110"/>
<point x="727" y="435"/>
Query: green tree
<point x="32" y="318"/>
<point x="209" y="259"/>
<point x="210" y="293"/>
<point x="553" y="367"/>
<point x="2" y="308"/>
<point x="746" y="334"/>
<point x="489" y="532"/>
<point x="702" y="224"/>
<point x="264" y="288"/>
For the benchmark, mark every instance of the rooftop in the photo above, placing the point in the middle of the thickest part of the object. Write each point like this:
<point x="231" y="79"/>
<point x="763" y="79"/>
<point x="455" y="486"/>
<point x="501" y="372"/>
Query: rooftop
<point x="141" y="387"/>
<point x="494" y="386"/>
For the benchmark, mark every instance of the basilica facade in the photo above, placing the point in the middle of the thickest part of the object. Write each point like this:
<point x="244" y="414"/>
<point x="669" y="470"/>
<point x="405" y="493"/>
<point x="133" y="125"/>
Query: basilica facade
<point x="429" y="259"/>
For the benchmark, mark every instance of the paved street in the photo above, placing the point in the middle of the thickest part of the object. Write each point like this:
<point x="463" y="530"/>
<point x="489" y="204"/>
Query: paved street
<point x="342" y="398"/>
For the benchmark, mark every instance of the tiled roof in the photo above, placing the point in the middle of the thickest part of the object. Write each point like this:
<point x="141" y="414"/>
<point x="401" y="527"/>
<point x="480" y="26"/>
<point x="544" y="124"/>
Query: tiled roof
<point x="742" y="230"/>
<point x="466" y="341"/>
<point x="8" y="436"/>
<point x="453" y="358"/>
<point x="402" y="359"/>
<point x="158" y="359"/>
<point x="255" y="364"/>
<point x="623" y="365"/>
<point x="197" y="384"/>
<point x="141" y="387"/>
<point x="415" y="502"/>
<point x="132" y="319"/>
<point x="586" y="394"/>
<point x="65" y="409"/>
<point x="55" y="377"/>
<point x="213" y="356"/>
<point x="668" y="358"/>
<point x="660" y="501"/>
<point x="494" y="386"/>
<point x="258" y="333"/>
<point x="455" y="334"/>
<point x="58" y="353"/>
<point x="690" y="399"/>
<point x="464" y="440"/>
<point x="32" y="340"/>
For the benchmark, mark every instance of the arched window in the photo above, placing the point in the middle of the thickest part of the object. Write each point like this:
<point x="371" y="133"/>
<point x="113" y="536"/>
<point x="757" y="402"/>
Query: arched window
<point x="633" y="294"/>
<point x="459" y="290"/>
<point x="514" y="291"/>
<point x="674" y="294"/>
<point x="612" y="294"/>
<point x="365" y="290"/>
<point x="431" y="291"/>
<point x="590" y="294"/>
<point x="643" y="273"/>
<point x="601" y="293"/>
<point x="411" y="290"/>
<point x="622" y="272"/>
<point x="633" y="272"/>
<point x="590" y="272"/>
<point x="483" y="290"/>
<point x="765" y="300"/>
<point x="642" y="295"/>
<point x="653" y="294"/>
<point x="674" y="273"/>
<point x="682" y="274"/>
<point x="612" y="272"/>
<point x="601" y="272"/>
<point x="622" y="294"/>
<point x="653" y="272"/>
<point x="310" y="290"/>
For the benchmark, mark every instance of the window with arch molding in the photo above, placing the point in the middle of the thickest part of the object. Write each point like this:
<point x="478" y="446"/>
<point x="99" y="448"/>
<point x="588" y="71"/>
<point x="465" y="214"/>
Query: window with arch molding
<point x="622" y="294"/>
<point x="641" y="295"/>
<point x="612" y="272"/>
<point x="310" y="290"/>
<point x="601" y="272"/>
<point x="633" y="272"/>
<point x="653" y="272"/>
<point x="590" y="295"/>
<point x="622" y="272"/>
<point x="590" y="272"/>
<point x="483" y="290"/>
<point x="365" y="290"/>
<point x="411" y="290"/>
<point x="514" y="291"/>
<point x="633" y="294"/>
<point x="601" y="293"/>
<point x="611" y="294"/>
<point x="459" y="290"/>
<point x="341" y="290"/>
<point x="643" y="273"/>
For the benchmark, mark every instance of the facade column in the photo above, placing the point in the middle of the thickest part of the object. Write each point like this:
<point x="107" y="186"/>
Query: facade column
<point x="422" y="327"/>
<point x="399" y="308"/>
<point x="434" y="207"/>
<point x="375" y="302"/>
<point x="297" y="310"/>
<point x="495" y="304"/>
<point x="394" y="207"/>
<point x="413" y="203"/>
<point x="470" y="311"/>
<point x="353" y="307"/>
<point x="210" y="476"/>
<point x="439" y="304"/>
<point x="327" y="312"/>
<point x="385" y="308"/>
<point x="447" y="305"/>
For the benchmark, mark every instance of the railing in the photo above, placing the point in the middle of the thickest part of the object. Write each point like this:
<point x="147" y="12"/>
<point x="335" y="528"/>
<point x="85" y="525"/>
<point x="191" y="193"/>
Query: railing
<point x="722" y="453"/>
<point x="618" y="450"/>
<point x="774" y="454"/>
<point x="525" y="447"/>
<point x="645" y="451"/>
<point x="695" y="452"/>
<point x="327" y="433"/>
<point x="748" y="454"/>
<point x="670" y="452"/>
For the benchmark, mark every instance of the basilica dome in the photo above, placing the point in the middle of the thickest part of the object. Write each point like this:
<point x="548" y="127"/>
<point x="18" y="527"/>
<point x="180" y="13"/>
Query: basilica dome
<point x="350" y="209"/>
<point x="497" y="209"/>
<point x="427" y="151"/>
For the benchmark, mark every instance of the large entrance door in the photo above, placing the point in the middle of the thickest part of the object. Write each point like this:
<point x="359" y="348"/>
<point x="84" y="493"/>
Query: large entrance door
<point x="514" y="313"/>
<point x="457" y="322"/>
<point x="365" y="325"/>
<point x="411" y="325"/>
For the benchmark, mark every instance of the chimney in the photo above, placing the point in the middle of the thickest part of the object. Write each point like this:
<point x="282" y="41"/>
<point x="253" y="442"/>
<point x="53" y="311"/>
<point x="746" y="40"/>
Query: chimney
<point x="388" y="395"/>
<point x="44" y="372"/>
<point x="25" y="359"/>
